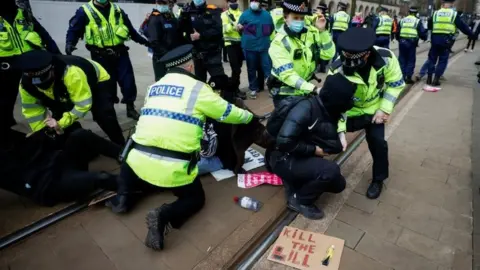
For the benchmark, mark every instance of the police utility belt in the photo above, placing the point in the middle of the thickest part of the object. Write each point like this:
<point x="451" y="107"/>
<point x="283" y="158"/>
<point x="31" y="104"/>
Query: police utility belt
<point x="192" y="158"/>
<point x="109" y="52"/>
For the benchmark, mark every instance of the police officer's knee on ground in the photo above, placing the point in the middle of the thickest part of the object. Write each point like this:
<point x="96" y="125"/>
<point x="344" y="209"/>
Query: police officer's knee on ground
<point x="166" y="144"/>
<point x="376" y="73"/>
<point x="304" y="135"/>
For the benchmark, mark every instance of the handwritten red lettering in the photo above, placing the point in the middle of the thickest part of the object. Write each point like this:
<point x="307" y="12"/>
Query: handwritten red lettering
<point x="286" y="232"/>
<point x="311" y="249"/>
<point x="310" y="238"/>
<point x="305" y="260"/>
<point x="295" y="244"/>
<point x="303" y="247"/>
<point x="300" y="237"/>
<point x="294" y="234"/>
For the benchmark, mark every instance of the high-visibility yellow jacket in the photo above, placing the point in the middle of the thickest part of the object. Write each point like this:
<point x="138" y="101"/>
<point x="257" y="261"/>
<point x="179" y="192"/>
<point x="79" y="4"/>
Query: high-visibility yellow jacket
<point x="229" y="25"/>
<point x="385" y="25"/>
<point x="374" y="95"/>
<point x="277" y="16"/>
<point x="172" y="118"/>
<point x="341" y="20"/>
<point x="294" y="58"/>
<point x="75" y="103"/>
<point x="408" y="27"/>
<point x="18" y="38"/>
<point x="444" y="21"/>
<point x="101" y="32"/>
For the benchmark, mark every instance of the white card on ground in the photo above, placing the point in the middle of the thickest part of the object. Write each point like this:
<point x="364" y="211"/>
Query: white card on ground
<point x="253" y="160"/>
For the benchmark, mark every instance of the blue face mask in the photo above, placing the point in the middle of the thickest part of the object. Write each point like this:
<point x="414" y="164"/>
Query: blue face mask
<point x="102" y="1"/>
<point x="163" y="8"/>
<point x="198" y="2"/>
<point x="254" y="5"/>
<point x="233" y="6"/>
<point x="296" y="25"/>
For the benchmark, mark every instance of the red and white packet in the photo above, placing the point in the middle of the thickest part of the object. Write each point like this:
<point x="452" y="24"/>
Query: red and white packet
<point x="250" y="180"/>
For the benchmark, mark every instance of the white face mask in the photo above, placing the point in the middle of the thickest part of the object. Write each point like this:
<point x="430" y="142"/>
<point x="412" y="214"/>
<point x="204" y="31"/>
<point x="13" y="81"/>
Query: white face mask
<point x="254" y="5"/>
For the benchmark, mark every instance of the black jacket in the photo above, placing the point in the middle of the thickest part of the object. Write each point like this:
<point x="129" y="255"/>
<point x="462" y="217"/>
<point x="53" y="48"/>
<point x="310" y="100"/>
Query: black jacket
<point x="307" y="125"/>
<point x="163" y="33"/>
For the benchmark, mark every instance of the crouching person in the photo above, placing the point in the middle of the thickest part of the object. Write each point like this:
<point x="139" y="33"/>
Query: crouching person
<point x="166" y="144"/>
<point x="308" y="134"/>
<point x="49" y="169"/>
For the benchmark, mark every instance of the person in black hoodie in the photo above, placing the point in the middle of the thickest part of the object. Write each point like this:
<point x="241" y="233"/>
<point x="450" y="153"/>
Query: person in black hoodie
<point x="164" y="34"/>
<point x="307" y="134"/>
<point x="49" y="168"/>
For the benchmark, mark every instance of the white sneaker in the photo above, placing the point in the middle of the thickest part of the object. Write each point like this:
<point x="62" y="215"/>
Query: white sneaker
<point x="429" y="88"/>
<point x="465" y="50"/>
<point x="252" y="94"/>
<point x="471" y="50"/>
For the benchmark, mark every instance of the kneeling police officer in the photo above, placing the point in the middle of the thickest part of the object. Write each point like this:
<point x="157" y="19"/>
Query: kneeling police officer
<point x="379" y="81"/>
<point x="69" y="86"/>
<point x="165" y="147"/>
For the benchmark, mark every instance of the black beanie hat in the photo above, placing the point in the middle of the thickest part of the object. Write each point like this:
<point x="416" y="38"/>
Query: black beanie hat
<point x="337" y="94"/>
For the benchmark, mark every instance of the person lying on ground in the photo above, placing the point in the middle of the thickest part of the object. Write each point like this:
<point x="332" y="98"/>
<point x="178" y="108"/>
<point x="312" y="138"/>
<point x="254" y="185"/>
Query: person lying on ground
<point x="48" y="168"/>
<point x="307" y="134"/>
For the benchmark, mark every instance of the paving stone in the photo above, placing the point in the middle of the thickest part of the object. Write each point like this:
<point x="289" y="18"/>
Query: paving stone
<point x="342" y="230"/>
<point x="463" y="163"/>
<point x="388" y="211"/>
<point x="396" y="198"/>
<point x="352" y="260"/>
<point x="440" y="167"/>
<point x="361" y="202"/>
<point x="392" y="255"/>
<point x="462" y="260"/>
<point x="426" y="247"/>
<point x="461" y="180"/>
<point x="457" y="238"/>
<point x="379" y="227"/>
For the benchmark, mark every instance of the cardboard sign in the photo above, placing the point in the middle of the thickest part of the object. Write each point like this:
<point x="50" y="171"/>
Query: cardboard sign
<point x="250" y="180"/>
<point x="253" y="160"/>
<point x="307" y="250"/>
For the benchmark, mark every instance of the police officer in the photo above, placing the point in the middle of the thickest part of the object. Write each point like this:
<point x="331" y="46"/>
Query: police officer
<point x="277" y="16"/>
<point x="69" y="87"/>
<point x="106" y="28"/>
<point x="410" y="30"/>
<point x="383" y="25"/>
<point x="19" y="33"/>
<point x="379" y="81"/>
<point x="231" y="37"/>
<point x="202" y="25"/>
<point x="175" y="9"/>
<point x="445" y="22"/>
<point x="340" y="21"/>
<point x="322" y="9"/>
<point x="164" y="34"/>
<point x="293" y="65"/>
<point x="179" y="102"/>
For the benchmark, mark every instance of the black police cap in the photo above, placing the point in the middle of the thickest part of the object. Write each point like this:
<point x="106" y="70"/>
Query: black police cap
<point x="383" y="9"/>
<point x="297" y="6"/>
<point x="356" y="40"/>
<point x="413" y="10"/>
<point x="36" y="61"/>
<point x="342" y="5"/>
<point x="322" y="6"/>
<point x="177" y="56"/>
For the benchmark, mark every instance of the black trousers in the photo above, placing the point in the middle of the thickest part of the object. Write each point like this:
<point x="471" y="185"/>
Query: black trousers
<point x="10" y="80"/>
<point x="307" y="177"/>
<point x="159" y="69"/>
<point x="210" y="62"/>
<point x="120" y="70"/>
<point x="235" y="56"/>
<point x="472" y="41"/>
<point x="375" y="135"/>
<point x="190" y="198"/>
<point x="75" y="181"/>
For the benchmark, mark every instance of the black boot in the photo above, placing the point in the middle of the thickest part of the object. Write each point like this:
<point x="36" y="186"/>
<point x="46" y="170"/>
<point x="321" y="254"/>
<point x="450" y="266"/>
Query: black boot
<point x="374" y="190"/>
<point x="408" y="80"/>
<point x="429" y="79"/>
<point x="308" y="211"/>
<point x="158" y="228"/>
<point x="120" y="204"/>
<point x="131" y="112"/>
<point x="436" y="82"/>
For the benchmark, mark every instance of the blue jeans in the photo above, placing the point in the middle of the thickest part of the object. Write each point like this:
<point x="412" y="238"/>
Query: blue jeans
<point x="254" y="60"/>
<point x="208" y="165"/>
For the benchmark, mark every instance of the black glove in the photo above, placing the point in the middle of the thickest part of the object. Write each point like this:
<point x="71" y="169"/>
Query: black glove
<point x="69" y="48"/>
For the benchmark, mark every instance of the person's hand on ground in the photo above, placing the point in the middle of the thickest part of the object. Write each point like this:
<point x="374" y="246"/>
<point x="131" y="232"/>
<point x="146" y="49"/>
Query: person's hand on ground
<point x="343" y="140"/>
<point x="380" y="117"/>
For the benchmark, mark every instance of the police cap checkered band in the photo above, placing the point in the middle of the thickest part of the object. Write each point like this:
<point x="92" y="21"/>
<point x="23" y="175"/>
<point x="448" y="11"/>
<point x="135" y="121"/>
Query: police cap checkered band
<point x="354" y="56"/>
<point x="296" y="8"/>
<point x="179" y="61"/>
<point x="38" y="72"/>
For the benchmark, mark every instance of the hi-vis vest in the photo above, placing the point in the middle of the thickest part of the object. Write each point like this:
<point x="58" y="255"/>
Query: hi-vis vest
<point x="294" y="59"/>
<point x="277" y="16"/>
<point x="385" y="25"/>
<point x="408" y="27"/>
<point x="229" y="25"/>
<point x="102" y="33"/>
<point x="172" y="118"/>
<point x="444" y="21"/>
<point x="19" y="38"/>
<point x="340" y="21"/>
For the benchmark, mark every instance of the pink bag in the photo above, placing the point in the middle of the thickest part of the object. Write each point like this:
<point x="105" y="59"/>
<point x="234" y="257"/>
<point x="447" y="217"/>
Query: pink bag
<point x="251" y="180"/>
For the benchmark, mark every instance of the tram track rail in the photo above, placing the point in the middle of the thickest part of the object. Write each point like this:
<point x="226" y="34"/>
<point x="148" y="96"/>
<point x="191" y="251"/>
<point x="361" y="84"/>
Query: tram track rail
<point x="252" y="251"/>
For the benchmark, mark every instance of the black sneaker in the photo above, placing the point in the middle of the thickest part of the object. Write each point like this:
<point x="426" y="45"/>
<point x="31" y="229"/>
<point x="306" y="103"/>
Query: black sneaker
<point x="158" y="228"/>
<point x="374" y="190"/>
<point x="118" y="204"/>
<point x="436" y="82"/>
<point x="308" y="211"/>
<point x="408" y="80"/>
<point x="132" y="113"/>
